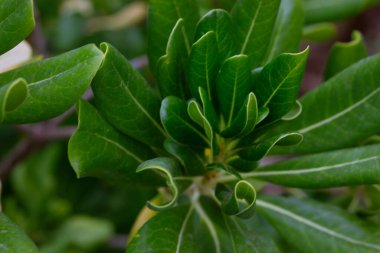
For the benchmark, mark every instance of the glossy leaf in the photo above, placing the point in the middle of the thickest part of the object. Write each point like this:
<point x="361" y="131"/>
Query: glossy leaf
<point x="313" y="227"/>
<point x="346" y="167"/>
<point x="220" y="22"/>
<point x="170" y="67"/>
<point x="54" y="84"/>
<point x="277" y="85"/>
<point x="16" y="22"/>
<point x="12" y="95"/>
<point x="254" y="22"/>
<point x="233" y="86"/>
<point x="287" y="31"/>
<point x="163" y="15"/>
<point x="343" y="55"/>
<point x="350" y="100"/>
<point x="97" y="149"/>
<point x="13" y="239"/>
<point x="178" y="124"/>
<point x="201" y="222"/>
<point x="125" y="100"/>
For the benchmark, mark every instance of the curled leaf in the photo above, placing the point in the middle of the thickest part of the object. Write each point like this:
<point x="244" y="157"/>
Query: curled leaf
<point x="12" y="95"/>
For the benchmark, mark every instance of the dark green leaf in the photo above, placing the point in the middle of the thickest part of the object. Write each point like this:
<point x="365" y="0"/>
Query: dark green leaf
<point x="333" y="169"/>
<point x="16" y="22"/>
<point x="97" y="149"/>
<point x="54" y="84"/>
<point x="125" y="99"/>
<point x="242" y="165"/>
<point x="233" y="86"/>
<point x="254" y="21"/>
<point x="13" y="239"/>
<point x="278" y="83"/>
<point x="12" y="95"/>
<point x="163" y="15"/>
<point x="178" y="124"/>
<point x="209" y="110"/>
<point x="203" y="65"/>
<point x="349" y="100"/>
<point x="312" y="227"/>
<point x="342" y="55"/>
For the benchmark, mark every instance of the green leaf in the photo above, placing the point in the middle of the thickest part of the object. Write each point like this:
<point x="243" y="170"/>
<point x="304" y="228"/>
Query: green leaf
<point x="278" y="83"/>
<point x="170" y="67"/>
<point x="220" y="22"/>
<point x="16" y="22"/>
<point x="319" y="32"/>
<point x="348" y="167"/>
<point x="178" y="124"/>
<point x="209" y="109"/>
<point x="12" y="95"/>
<point x="240" y="201"/>
<point x="312" y="227"/>
<point x="162" y="16"/>
<point x="54" y="84"/>
<point x="287" y="31"/>
<point x="125" y="100"/>
<point x="203" y="65"/>
<point x="97" y="149"/>
<point x="349" y="100"/>
<point x="169" y="169"/>
<point x="245" y="120"/>
<point x="233" y="86"/>
<point x="254" y="22"/>
<point x="201" y="222"/>
<point x="13" y="239"/>
<point x="343" y="55"/>
<point x="259" y="150"/>
<point x="294" y="112"/>
<point x="242" y="165"/>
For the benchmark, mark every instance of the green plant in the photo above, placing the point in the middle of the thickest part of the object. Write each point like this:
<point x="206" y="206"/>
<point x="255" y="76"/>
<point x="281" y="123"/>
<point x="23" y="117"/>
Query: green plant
<point x="226" y="97"/>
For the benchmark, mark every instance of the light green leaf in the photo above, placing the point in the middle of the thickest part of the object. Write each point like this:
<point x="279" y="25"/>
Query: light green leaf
<point x="349" y="100"/>
<point x="203" y="65"/>
<point x="16" y="22"/>
<point x="162" y="16"/>
<point x="54" y="84"/>
<point x="277" y="85"/>
<point x="346" y="167"/>
<point x="97" y="149"/>
<point x="178" y="124"/>
<point x="254" y="22"/>
<point x="13" y="239"/>
<point x="312" y="227"/>
<point x="125" y="100"/>
<point x="12" y="95"/>
<point x="233" y="86"/>
<point x="343" y="55"/>
<point x="319" y="32"/>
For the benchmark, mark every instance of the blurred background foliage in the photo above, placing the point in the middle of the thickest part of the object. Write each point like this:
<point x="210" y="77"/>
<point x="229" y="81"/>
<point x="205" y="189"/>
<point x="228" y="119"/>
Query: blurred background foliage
<point x="63" y="214"/>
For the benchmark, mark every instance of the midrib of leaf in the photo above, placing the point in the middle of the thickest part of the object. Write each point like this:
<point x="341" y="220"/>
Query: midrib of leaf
<point x="340" y="114"/>
<point x="253" y="22"/>
<point x="233" y="102"/>
<point x="187" y="44"/>
<point x="183" y="228"/>
<point x="207" y="76"/>
<point x="315" y="226"/>
<point x="7" y="17"/>
<point x="210" y="226"/>
<point x="117" y="145"/>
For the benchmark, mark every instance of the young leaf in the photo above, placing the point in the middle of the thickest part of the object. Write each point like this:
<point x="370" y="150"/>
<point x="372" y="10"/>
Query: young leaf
<point x="220" y="22"/>
<point x="278" y="83"/>
<point x="163" y="15"/>
<point x="16" y="22"/>
<point x="54" y="84"/>
<point x="125" y="100"/>
<point x="342" y="55"/>
<point x="287" y="31"/>
<point x="178" y="124"/>
<point x="233" y="86"/>
<point x="195" y="112"/>
<point x="12" y="95"/>
<point x="13" y="239"/>
<point x="349" y="100"/>
<point x="97" y="149"/>
<point x="209" y="110"/>
<point x="312" y="227"/>
<point x="348" y="167"/>
<point x="254" y="21"/>
<point x="203" y="65"/>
